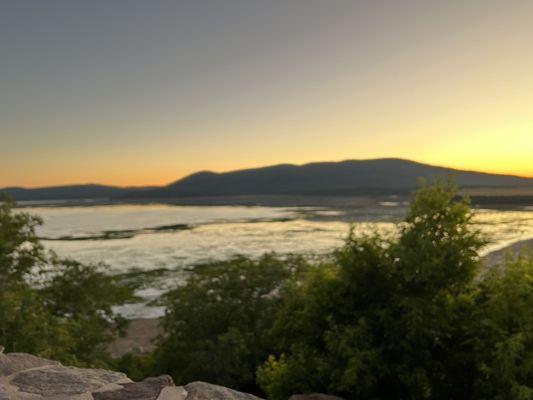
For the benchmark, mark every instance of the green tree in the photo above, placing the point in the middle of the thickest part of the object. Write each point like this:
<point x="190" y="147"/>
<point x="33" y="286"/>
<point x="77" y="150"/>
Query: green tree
<point x="502" y="332"/>
<point x="84" y="296"/>
<point x="52" y="307"/>
<point x="217" y="324"/>
<point x="20" y="249"/>
<point x="388" y="318"/>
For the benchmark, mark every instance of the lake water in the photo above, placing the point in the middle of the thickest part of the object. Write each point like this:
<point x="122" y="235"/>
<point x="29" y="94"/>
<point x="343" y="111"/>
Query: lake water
<point x="167" y="240"/>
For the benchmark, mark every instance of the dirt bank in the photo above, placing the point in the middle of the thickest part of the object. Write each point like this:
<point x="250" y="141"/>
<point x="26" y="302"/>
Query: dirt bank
<point x="139" y="337"/>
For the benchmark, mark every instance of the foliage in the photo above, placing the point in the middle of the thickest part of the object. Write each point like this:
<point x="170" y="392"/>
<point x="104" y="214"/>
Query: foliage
<point x="137" y="366"/>
<point x="84" y="295"/>
<point x="51" y="307"/>
<point x="217" y="324"/>
<point x="20" y="250"/>
<point x="403" y="317"/>
<point x="503" y="343"/>
<point x="406" y="318"/>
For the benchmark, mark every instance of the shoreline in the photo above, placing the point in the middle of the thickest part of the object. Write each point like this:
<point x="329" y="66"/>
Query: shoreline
<point x="490" y="198"/>
<point x="497" y="257"/>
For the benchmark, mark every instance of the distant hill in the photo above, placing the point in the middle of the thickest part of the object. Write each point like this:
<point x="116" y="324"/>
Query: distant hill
<point x="353" y="177"/>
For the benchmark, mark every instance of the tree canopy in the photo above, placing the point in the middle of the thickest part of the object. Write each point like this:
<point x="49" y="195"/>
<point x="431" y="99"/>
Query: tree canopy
<point x="407" y="317"/>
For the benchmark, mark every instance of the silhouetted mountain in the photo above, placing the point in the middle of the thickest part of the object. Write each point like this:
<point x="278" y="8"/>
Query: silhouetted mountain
<point x="353" y="177"/>
<point x="327" y="178"/>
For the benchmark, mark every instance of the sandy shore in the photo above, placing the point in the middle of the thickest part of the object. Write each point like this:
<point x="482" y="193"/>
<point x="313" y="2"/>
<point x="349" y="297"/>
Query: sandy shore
<point x="142" y="332"/>
<point x="139" y="337"/>
<point x="498" y="257"/>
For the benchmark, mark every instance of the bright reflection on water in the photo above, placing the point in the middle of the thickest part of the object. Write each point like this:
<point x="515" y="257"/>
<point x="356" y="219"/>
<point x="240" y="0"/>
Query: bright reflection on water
<point x="219" y="232"/>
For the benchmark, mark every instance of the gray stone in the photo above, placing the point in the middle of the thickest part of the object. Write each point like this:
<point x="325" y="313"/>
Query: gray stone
<point x="25" y="377"/>
<point x="14" y="362"/>
<point x="58" y="380"/>
<point x="207" y="391"/>
<point x="173" y="393"/>
<point x="148" y="389"/>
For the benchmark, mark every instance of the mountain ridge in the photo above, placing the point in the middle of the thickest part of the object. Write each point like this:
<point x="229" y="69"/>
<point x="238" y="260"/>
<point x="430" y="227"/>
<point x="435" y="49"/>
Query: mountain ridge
<point x="347" y="177"/>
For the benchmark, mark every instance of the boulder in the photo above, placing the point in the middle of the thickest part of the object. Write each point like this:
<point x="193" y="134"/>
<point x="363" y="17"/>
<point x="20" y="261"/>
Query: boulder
<point x="26" y="377"/>
<point x="173" y="393"/>
<point x="14" y="362"/>
<point x="56" y="380"/>
<point x="208" y="391"/>
<point x="148" y="389"/>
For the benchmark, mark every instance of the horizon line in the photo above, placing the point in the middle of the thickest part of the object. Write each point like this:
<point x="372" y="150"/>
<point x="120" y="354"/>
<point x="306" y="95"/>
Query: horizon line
<point x="261" y="167"/>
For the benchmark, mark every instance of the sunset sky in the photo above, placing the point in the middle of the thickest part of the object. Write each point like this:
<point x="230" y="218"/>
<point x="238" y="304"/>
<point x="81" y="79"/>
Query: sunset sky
<point x="145" y="92"/>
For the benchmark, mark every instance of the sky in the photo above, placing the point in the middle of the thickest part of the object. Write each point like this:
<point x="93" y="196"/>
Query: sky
<point x="144" y="92"/>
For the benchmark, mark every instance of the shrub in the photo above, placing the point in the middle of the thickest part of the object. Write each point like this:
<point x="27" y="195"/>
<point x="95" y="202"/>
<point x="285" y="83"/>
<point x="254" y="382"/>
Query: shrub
<point x="217" y="325"/>
<point x="406" y="317"/>
<point x="51" y="307"/>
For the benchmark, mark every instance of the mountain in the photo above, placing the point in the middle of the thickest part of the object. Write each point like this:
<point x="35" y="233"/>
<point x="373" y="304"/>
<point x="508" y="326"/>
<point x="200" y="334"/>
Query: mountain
<point x="328" y="178"/>
<point x="352" y="177"/>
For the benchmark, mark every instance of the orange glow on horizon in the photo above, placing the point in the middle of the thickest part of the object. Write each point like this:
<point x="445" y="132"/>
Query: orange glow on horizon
<point x="165" y="178"/>
<point x="262" y="84"/>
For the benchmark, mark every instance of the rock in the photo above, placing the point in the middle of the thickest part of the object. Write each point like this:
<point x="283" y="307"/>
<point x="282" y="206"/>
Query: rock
<point x="173" y="393"/>
<point x="26" y="377"/>
<point x="14" y="362"/>
<point x="207" y="391"/>
<point x="314" y="396"/>
<point x="148" y="389"/>
<point x="56" y="380"/>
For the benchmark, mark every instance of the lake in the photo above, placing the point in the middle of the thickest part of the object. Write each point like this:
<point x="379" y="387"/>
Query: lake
<point x="159" y="244"/>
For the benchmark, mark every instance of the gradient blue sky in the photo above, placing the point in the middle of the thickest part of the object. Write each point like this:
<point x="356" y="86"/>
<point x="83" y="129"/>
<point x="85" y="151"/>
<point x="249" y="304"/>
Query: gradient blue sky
<point x="145" y="92"/>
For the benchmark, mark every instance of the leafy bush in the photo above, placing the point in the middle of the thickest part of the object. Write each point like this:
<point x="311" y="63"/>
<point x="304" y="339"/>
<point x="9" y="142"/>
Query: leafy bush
<point x="51" y="307"/>
<point x="217" y="325"/>
<point x="407" y="317"/>
<point x="137" y="366"/>
<point x="502" y="332"/>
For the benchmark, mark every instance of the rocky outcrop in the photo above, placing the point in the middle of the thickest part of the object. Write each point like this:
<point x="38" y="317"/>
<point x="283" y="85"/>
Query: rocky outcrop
<point x="207" y="391"/>
<point x="150" y="388"/>
<point x="26" y="377"/>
